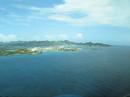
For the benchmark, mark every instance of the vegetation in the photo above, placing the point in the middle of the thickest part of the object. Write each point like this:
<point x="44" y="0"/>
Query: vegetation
<point x="35" y="47"/>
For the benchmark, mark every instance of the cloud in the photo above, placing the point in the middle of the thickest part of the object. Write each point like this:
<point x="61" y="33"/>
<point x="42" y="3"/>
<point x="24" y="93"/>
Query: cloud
<point x="7" y="37"/>
<point x="74" y="37"/>
<point x="57" y="37"/>
<point x="53" y="37"/>
<point x="82" y="12"/>
<point x="79" y="35"/>
<point x="110" y="12"/>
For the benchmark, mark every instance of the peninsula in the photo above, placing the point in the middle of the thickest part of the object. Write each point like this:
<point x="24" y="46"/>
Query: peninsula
<point x="37" y="47"/>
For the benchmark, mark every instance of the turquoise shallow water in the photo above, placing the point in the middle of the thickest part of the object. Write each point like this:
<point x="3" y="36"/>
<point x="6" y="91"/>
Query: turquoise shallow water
<point x="101" y="72"/>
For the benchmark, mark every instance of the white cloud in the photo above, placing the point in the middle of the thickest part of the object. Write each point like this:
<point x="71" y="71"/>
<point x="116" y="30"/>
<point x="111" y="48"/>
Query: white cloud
<point x="72" y="37"/>
<point x="111" y="12"/>
<point x="97" y="12"/>
<point x="57" y="37"/>
<point x="79" y="35"/>
<point x="49" y="37"/>
<point x="7" y="37"/>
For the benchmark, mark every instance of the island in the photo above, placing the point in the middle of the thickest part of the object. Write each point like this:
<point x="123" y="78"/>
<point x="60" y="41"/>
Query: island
<point x="37" y="47"/>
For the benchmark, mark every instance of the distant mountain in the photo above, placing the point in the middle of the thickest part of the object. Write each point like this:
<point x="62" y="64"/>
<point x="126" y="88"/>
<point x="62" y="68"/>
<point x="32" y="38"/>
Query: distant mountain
<point x="30" y="44"/>
<point x="36" y="47"/>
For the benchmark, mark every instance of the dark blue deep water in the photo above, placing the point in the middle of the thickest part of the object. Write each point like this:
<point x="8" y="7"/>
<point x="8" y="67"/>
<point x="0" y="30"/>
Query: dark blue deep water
<point x="101" y="72"/>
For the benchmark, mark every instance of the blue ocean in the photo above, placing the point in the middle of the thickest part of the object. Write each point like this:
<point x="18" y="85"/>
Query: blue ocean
<point x="92" y="72"/>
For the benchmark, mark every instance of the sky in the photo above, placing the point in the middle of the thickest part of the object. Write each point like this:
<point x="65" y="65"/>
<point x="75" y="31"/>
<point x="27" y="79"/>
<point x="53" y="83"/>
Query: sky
<point x="105" y="21"/>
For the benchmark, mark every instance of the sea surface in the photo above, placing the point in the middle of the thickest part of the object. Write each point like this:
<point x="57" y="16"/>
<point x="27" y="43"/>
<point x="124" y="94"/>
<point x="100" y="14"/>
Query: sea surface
<point x="92" y="72"/>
